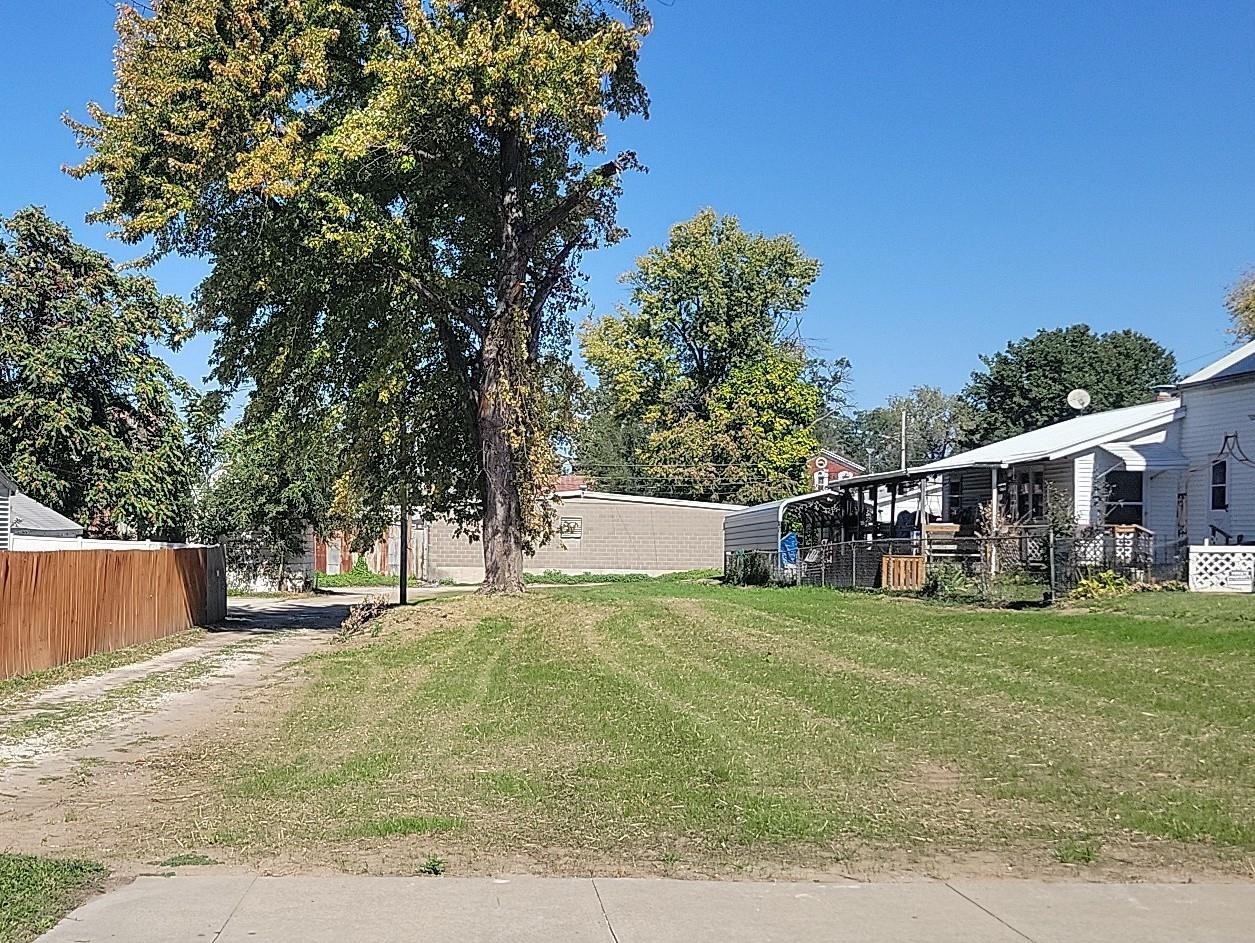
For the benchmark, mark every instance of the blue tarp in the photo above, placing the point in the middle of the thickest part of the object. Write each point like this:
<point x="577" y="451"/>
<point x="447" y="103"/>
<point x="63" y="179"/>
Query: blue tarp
<point x="788" y="549"/>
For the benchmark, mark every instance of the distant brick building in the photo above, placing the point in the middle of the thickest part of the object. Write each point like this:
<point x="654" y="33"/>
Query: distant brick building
<point x="826" y="468"/>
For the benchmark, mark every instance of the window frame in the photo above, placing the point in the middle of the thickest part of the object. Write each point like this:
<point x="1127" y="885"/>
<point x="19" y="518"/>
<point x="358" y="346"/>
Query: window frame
<point x="1220" y="488"/>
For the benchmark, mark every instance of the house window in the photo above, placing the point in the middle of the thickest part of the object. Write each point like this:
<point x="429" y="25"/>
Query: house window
<point x="1124" y="497"/>
<point x="956" y="495"/>
<point x="1220" y="485"/>
<point x="1030" y="494"/>
<point x="571" y="528"/>
<point x="821" y="479"/>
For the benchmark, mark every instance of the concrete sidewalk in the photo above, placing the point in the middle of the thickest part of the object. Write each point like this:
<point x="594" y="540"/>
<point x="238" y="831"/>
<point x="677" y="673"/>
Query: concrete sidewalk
<point x="343" y="909"/>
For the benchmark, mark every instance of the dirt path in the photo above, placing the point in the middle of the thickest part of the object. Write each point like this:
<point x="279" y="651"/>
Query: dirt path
<point x="83" y="743"/>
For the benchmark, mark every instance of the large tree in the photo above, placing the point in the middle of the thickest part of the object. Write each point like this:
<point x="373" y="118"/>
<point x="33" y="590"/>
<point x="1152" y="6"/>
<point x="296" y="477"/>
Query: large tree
<point x="91" y="419"/>
<point x="394" y="196"/>
<point x="1026" y="386"/>
<point x="1240" y="303"/>
<point x="274" y="484"/>
<point x="935" y="425"/>
<point x="704" y="387"/>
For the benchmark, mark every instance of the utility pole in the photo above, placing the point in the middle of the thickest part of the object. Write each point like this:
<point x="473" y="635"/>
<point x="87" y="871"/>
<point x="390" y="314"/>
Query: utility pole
<point x="903" y="462"/>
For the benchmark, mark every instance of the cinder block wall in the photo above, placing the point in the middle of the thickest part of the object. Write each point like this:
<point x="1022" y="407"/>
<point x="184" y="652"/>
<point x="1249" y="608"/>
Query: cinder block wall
<point x="617" y="537"/>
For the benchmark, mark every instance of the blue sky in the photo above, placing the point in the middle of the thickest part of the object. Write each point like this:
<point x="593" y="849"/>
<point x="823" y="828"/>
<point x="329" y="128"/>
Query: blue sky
<point x="966" y="172"/>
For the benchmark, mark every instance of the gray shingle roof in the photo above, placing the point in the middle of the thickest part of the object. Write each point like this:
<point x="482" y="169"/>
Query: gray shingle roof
<point x="33" y="519"/>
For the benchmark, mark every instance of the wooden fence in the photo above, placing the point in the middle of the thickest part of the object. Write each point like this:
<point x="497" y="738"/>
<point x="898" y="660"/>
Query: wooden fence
<point x="59" y="606"/>
<point x="898" y="572"/>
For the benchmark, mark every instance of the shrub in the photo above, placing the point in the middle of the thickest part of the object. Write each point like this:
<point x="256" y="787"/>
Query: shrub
<point x="1104" y="585"/>
<point x="747" y="568"/>
<point x="1164" y="586"/>
<point x="360" y="575"/>
<point x="947" y="581"/>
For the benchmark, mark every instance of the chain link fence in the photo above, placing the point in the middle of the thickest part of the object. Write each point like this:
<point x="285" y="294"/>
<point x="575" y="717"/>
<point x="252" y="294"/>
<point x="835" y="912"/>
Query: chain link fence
<point x="1022" y="568"/>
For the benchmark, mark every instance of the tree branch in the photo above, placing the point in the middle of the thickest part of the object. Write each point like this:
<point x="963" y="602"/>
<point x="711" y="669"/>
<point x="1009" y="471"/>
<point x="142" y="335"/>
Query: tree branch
<point x="578" y="193"/>
<point x="473" y="185"/>
<point x="544" y="289"/>
<point x="455" y="355"/>
<point x="445" y="308"/>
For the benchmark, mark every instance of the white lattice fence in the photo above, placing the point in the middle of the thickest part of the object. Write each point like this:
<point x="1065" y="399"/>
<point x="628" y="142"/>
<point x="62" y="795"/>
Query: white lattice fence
<point x="1222" y="569"/>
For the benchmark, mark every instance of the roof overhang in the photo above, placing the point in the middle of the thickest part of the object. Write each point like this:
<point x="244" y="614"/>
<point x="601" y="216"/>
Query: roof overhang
<point x="1147" y="456"/>
<point x="1103" y="441"/>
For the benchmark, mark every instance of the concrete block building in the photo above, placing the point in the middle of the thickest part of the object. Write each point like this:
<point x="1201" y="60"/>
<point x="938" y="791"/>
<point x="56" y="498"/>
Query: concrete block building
<point x="599" y="532"/>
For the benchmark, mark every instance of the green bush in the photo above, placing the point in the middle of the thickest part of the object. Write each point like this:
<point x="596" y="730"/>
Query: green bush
<point x="360" y="575"/>
<point x="746" y="568"/>
<point x="1104" y="585"/>
<point x="947" y="581"/>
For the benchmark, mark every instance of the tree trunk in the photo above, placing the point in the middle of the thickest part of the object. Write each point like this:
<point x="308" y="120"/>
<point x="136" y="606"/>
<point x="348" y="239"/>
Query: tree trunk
<point x="503" y="519"/>
<point x="503" y="363"/>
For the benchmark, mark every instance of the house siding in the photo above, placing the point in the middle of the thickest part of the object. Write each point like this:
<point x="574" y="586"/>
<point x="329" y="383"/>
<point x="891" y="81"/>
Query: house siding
<point x="618" y="536"/>
<point x="1211" y="413"/>
<point x="1083" y="471"/>
<point x="6" y="519"/>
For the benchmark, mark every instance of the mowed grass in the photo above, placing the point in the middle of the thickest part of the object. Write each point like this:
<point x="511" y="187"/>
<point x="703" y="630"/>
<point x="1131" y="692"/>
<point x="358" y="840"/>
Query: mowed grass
<point x="707" y="725"/>
<point x="37" y="892"/>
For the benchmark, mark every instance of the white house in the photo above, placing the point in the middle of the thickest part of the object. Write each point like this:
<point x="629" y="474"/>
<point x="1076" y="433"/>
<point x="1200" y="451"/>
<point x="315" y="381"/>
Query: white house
<point x="25" y="524"/>
<point x="1176" y="470"/>
<point x="1217" y="490"/>
<point x="7" y="489"/>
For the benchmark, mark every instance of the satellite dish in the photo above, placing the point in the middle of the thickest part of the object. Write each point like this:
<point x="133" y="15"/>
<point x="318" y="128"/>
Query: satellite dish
<point x="1078" y="399"/>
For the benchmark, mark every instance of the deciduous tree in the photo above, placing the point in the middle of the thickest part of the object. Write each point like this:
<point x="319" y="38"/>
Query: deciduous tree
<point x="1240" y="303"/>
<point x="392" y="194"/>
<point x="935" y="426"/>
<point x="1026" y="386"/>
<point x="273" y="486"/>
<point x="706" y="389"/>
<point x="91" y="419"/>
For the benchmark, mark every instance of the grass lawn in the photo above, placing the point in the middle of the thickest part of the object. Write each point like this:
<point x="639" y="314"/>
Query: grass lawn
<point x="656" y="726"/>
<point x="37" y="892"/>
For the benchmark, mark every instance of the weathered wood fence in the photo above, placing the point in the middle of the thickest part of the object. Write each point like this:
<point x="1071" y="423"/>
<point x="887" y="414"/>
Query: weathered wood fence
<point x="56" y="607"/>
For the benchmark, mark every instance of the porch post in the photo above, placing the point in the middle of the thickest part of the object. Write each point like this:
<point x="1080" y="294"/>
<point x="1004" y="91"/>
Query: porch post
<point x="993" y="521"/>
